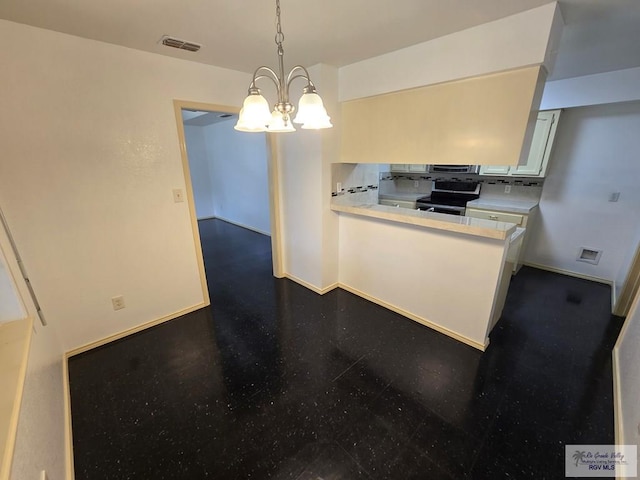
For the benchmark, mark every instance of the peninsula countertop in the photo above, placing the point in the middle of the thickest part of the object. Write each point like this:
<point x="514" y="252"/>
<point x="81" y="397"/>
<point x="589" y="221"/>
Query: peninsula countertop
<point x="452" y="223"/>
<point x="521" y="206"/>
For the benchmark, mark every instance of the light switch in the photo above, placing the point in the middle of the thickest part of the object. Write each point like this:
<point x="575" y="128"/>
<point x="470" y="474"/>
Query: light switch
<point x="614" y="197"/>
<point x="178" y="195"/>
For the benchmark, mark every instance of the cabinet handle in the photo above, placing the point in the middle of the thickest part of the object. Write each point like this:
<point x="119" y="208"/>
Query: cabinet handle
<point x="493" y="217"/>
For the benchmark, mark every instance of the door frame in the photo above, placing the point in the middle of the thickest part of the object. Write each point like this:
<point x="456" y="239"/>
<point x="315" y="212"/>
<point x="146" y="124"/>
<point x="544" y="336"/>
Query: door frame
<point x="629" y="287"/>
<point x="272" y="178"/>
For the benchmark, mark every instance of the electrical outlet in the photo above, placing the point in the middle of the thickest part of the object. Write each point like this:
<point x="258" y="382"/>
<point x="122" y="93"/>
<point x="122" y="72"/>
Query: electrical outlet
<point x="507" y="189"/>
<point x="43" y="475"/>
<point x="178" y="195"/>
<point x="416" y="183"/>
<point x="338" y="187"/>
<point x="118" y="302"/>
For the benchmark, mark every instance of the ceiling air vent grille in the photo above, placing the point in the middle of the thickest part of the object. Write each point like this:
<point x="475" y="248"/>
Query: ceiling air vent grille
<point x="180" y="44"/>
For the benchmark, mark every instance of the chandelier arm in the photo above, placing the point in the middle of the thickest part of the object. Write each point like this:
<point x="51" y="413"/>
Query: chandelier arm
<point x="260" y="77"/>
<point x="309" y="82"/>
<point x="267" y="69"/>
<point x="306" y="75"/>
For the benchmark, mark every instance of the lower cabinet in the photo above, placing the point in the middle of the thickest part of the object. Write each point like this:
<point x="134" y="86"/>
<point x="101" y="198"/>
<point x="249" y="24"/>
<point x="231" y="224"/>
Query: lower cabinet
<point x="521" y="220"/>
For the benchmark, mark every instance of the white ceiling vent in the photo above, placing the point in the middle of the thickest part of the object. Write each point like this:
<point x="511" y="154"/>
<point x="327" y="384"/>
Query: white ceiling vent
<point x="180" y="44"/>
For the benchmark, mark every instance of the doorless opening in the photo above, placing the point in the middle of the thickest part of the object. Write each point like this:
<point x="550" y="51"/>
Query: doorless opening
<point x="230" y="177"/>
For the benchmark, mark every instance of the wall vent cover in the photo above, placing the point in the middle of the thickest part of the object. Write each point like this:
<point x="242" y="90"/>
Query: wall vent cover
<point x="589" y="255"/>
<point x="180" y="44"/>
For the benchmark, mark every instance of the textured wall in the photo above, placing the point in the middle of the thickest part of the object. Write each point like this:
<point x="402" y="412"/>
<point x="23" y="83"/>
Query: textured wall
<point x="90" y="158"/>
<point x="595" y="155"/>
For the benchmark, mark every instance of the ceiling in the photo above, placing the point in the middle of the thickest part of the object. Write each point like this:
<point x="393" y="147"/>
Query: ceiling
<point x="600" y="35"/>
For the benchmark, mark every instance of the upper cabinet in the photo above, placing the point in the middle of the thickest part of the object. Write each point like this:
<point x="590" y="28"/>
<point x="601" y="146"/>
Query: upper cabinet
<point x="541" y="145"/>
<point x="466" y="122"/>
<point x="405" y="167"/>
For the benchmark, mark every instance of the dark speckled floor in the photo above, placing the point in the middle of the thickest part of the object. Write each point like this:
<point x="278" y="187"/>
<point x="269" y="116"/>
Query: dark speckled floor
<point x="274" y="381"/>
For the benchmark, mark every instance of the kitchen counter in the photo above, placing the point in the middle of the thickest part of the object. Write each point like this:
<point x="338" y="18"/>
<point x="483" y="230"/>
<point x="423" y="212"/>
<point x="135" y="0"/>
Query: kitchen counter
<point x="521" y="206"/>
<point x="452" y="223"/>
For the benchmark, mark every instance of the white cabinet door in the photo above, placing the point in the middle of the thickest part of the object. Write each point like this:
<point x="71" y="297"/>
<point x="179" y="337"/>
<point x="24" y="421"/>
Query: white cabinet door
<point x="541" y="143"/>
<point x="494" y="170"/>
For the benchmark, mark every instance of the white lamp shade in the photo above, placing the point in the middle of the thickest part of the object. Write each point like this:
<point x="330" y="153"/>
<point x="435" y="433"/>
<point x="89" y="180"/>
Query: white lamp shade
<point x="243" y="126"/>
<point x="318" y="123"/>
<point x="277" y="123"/>
<point x="254" y="115"/>
<point x="311" y="110"/>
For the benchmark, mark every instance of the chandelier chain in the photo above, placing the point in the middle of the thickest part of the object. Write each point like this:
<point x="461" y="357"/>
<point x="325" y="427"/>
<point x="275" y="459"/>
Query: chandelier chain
<point x="279" y="35"/>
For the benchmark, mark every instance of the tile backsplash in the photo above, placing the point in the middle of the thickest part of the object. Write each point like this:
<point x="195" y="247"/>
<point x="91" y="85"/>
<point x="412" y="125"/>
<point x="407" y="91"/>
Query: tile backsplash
<point x="354" y="178"/>
<point x="362" y="183"/>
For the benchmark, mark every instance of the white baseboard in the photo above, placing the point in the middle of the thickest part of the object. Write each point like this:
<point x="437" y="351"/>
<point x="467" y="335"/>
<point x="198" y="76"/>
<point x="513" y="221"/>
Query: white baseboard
<point x="304" y="283"/>
<point x="617" y="400"/>
<point x="69" y="466"/>
<point x="237" y="224"/>
<point x="569" y="273"/>
<point x="129" y="331"/>
<point x="416" y="318"/>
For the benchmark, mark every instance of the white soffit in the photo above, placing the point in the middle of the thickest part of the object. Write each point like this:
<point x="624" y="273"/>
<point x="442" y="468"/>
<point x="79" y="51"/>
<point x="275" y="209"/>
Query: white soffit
<point x="517" y="41"/>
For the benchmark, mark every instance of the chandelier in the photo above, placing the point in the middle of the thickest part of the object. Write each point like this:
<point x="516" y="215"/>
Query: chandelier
<point x="256" y="116"/>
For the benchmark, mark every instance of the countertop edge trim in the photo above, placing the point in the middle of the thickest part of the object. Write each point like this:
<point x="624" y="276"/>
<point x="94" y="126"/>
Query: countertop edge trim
<point x="426" y="222"/>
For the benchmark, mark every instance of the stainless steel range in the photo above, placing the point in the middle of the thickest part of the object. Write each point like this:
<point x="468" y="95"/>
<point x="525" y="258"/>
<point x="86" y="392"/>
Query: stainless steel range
<point x="449" y="196"/>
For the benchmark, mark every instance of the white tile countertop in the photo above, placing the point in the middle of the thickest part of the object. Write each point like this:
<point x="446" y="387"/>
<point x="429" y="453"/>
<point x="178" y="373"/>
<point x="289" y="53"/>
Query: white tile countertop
<point x="522" y="206"/>
<point x="452" y="223"/>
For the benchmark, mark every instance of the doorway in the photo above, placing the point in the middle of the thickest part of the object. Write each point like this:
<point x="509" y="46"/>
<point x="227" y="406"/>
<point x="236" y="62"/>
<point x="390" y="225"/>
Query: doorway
<point x="229" y="176"/>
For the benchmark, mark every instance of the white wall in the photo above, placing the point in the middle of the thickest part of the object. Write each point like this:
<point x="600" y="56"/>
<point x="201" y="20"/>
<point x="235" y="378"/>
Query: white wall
<point x="601" y="88"/>
<point x="627" y="355"/>
<point x="596" y="153"/>
<point x="229" y="174"/>
<point x="200" y="171"/>
<point x="40" y="440"/>
<point x="524" y="39"/>
<point x="90" y="158"/>
<point x="10" y="305"/>
<point x="238" y="176"/>
<point x="412" y="268"/>
<point x="310" y="228"/>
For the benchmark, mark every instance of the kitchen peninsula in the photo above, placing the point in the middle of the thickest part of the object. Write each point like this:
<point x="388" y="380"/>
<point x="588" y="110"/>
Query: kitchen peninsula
<point x="447" y="272"/>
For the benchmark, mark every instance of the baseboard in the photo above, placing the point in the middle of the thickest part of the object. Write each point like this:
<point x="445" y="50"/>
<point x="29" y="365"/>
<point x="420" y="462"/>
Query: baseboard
<point x="318" y="290"/>
<point x="237" y="224"/>
<point x="416" y="318"/>
<point x="617" y="400"/>
<point x="569" y="273"/>
<point x="70" y="475"/>
<point x="130" y="331"/>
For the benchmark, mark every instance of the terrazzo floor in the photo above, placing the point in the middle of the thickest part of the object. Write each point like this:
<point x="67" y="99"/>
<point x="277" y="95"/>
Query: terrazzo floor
<point x="275" y="381"/>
